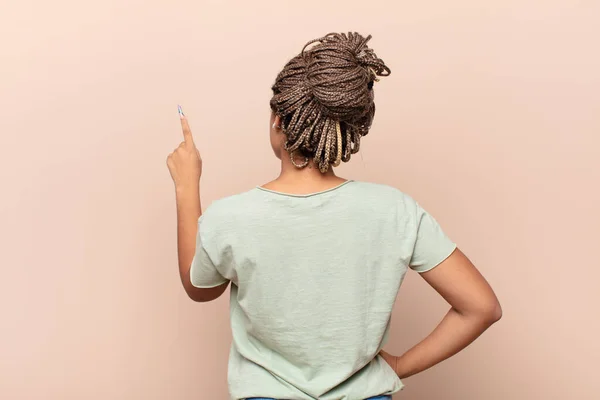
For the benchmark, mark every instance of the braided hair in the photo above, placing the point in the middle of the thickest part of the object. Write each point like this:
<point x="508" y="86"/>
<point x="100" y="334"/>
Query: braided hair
<point x="324" y="97"/>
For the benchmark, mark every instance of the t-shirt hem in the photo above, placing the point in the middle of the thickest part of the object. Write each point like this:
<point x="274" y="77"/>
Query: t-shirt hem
<point x="209" y="286"/>
<point x="427" y="268"/>
<point x="206" y="286"/>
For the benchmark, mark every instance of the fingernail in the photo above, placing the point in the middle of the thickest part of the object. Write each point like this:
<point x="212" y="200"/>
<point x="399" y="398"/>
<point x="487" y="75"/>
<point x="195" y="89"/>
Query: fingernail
<point x="180" y="111"/>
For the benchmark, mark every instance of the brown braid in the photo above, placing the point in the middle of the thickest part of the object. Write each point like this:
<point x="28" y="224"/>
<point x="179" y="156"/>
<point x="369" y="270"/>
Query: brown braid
<point x="324" y="97"/>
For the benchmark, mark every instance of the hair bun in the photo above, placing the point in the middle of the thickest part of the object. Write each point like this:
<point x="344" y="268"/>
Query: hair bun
<point x="340" y="70"/>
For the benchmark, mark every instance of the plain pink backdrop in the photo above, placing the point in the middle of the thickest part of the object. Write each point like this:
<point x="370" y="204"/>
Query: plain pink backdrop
<point x="491" y="119"/>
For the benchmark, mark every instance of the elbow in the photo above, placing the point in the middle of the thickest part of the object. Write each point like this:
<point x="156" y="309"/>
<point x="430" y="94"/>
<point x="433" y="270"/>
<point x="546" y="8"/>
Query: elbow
<point x="484" y="314"/>
<point x="492" y="313"/>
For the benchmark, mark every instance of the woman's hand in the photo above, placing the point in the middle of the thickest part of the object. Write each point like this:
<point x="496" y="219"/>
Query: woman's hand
<point x="390" y="359"/>
<point x="185" y="163"/>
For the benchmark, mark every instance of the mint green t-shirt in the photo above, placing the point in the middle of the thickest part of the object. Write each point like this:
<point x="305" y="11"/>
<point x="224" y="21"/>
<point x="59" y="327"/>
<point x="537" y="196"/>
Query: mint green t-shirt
<point x="314" y="280"/>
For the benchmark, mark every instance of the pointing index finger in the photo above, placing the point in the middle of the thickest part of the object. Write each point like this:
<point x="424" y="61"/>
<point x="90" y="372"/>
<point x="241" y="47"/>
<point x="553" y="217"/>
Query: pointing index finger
<point x="185" y="126"/>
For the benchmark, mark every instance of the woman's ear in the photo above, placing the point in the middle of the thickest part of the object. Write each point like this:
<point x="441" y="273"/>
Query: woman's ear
<point x="276" y="136"/>
<point x="277" y="122"/>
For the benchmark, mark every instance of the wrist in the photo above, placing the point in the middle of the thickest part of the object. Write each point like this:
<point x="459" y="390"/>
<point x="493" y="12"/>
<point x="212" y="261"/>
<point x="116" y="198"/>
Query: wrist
<point x="187" y="189"/>
<point x="401" y="368"/>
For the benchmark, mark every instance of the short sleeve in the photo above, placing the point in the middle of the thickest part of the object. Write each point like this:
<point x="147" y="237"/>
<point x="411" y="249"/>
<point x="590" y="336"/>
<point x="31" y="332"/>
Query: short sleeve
<point x="203" y="273"/>
<point x="432" y="246"/>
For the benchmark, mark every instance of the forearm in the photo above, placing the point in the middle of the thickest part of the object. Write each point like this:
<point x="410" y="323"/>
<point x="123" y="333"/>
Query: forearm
<point x="188" y="212"/>
<point x="455" y="332"/>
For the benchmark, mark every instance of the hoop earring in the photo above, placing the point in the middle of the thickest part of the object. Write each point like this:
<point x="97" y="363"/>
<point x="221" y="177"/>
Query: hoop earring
<point x="293" y="159"/>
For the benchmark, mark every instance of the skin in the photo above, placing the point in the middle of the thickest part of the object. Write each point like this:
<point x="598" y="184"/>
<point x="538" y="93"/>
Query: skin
<point x="473" y="305"/>
<point x="185" y="166"/>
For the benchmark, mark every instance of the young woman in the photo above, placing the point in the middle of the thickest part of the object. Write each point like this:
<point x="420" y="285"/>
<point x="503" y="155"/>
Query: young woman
<point x="315" y="260"/>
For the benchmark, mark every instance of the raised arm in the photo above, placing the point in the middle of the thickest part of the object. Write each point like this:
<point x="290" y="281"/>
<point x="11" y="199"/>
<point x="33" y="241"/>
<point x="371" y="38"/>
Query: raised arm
<point x="185" y="166"/>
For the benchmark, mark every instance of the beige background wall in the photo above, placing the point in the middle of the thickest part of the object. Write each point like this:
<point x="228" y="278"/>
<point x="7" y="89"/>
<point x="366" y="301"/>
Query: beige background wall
<point x="491" y="119"/>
